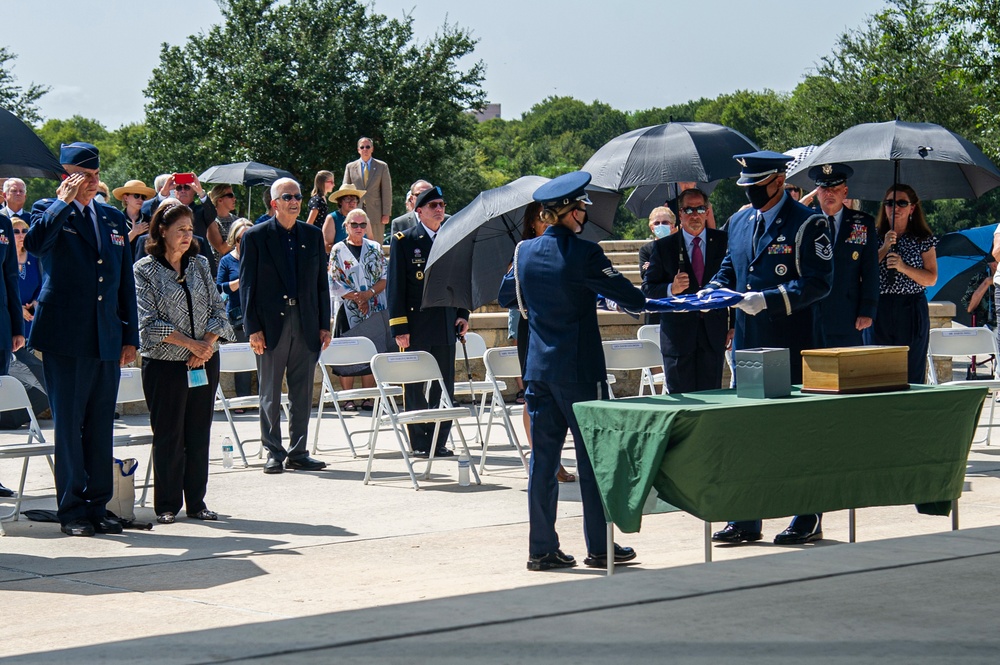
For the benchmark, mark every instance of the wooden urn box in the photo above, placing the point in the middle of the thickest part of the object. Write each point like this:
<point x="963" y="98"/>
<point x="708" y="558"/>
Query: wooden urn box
<point x="856" y="369"/>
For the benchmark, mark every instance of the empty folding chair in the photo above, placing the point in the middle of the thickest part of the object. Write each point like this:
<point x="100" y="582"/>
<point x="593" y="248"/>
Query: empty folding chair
<point x="342" y="352"/>
<point x="628" y="355"/>
<point x="501" y="363"/>
<point x="240" y="357"/>
<point x="652" y="333"/>
<point x="966" y="343"/>
<point x="12" y="398"/>
<point x="475" y="348"/>
<point x="399" y="369"/>
<point x="130" y="390"/>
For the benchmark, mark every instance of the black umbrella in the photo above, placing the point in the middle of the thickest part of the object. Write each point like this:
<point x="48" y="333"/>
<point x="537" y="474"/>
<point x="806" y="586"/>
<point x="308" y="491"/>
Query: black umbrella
<point x="22" y="153"/>
<point x="935" y="162"/>
<point x="674" y="152"/>
<point x="645" y="198"/>
<point x="472" y="252"/>
<point x="247" y="174"/>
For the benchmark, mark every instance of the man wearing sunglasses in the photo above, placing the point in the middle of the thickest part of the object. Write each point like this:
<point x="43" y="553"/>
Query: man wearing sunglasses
<point x="693" y="344"/>
<point x="205" y="224"/>
<point x="371" y="175"/>
<point x="416" y="329"/>
<point x="285" y="296"/>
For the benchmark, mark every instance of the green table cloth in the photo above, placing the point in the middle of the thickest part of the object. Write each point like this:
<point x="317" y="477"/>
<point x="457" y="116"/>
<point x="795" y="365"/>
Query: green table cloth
<point x="721" y="457"/>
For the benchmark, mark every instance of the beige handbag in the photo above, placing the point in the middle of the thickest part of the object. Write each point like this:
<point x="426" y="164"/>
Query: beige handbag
<point x="122" y="502"/>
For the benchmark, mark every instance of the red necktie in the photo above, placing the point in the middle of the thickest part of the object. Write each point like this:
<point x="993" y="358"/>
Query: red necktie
<point x="697" y="261"/>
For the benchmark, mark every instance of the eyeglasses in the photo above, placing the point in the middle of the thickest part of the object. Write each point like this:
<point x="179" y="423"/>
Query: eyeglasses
<point x="182" y="188"/>
<point x="898" y="203"/>
<point x="436" y="204"/>
<point x="228" y="195"/>
<point x="364" y="147"/>
<point x="359" y="225"/>
<point x="289" y="197"/>
<point x="20" y="231"/>
<point x="700" y="210"/>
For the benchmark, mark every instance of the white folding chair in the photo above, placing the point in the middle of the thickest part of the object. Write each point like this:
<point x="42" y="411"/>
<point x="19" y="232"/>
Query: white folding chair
<point x="398" y="369"/>
<point x="239" y="357"/>
<point x="652" y="333"/>
<point x="12" y="398"/>
<point x="475" y="348"/>
<point x="130" y="390"/>
<point x="966" y="342"/>
<point x="501" y="363"/>
<point x="627" y="355"/>
<point x="345" y="351"/>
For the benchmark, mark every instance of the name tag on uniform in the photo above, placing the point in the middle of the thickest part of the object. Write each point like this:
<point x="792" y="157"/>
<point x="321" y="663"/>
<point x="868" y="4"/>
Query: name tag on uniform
<point x="197" y="377"/>
<point x="779" y="249"/>
<point x="117" y="239"/>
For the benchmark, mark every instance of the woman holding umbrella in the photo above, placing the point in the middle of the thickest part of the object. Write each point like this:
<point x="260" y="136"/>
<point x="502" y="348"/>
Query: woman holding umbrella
<point x="908" y="265"/>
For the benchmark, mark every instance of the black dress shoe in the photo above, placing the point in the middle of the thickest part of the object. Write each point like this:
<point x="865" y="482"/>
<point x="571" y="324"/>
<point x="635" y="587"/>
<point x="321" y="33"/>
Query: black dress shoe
<point x="444" y="452"/>
<point x="792" y="536"/>
<point x="78" y="528"/>
<point x="622" y="554"/>
<point x="305" y="463"/>
<point x="421" y="454"/>
<point x="6" y="492"/>
<point x="107" y="525"/>
<point x="550" y="560"/>
<point x="273" y="466"/>
<point x="734" y="534"/>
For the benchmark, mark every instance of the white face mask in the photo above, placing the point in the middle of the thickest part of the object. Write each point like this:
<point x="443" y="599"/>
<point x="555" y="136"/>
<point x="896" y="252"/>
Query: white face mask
<point x="661" y="230"/>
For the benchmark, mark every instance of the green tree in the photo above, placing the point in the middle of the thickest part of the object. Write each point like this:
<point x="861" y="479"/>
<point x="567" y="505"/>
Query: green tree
<point x="294" y="84"/>
<point x="22" y="102"/>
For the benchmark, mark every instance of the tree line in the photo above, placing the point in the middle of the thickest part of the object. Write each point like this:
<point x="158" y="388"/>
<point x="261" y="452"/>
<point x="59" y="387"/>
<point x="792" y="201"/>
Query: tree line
<point x="293" y="84"/>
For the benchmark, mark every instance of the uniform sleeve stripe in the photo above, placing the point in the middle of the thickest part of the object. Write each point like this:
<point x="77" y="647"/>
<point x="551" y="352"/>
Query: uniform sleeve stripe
<point x="399" y="320"/>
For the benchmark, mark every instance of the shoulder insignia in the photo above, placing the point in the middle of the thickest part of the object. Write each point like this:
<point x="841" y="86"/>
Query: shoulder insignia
<point x="399" y="236"/>
<point x="610" y="271"/>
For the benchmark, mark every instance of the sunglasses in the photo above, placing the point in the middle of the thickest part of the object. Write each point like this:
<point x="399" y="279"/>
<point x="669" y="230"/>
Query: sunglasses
<point x="20" y="231"/>
<point x="364" y="147"/>
<point x="290" y="197"/>
<point x="359" y="225"/>
<point x="436" y="204"/>
<point x="898" y="203"/>
<point x="182" y="188"/>
<point x="700" y="210"/>
<point x="141" y="197"/>
<point x="228" y="195"/>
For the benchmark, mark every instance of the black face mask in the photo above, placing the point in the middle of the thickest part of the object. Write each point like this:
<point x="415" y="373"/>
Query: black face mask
<point x="758" y="195"/>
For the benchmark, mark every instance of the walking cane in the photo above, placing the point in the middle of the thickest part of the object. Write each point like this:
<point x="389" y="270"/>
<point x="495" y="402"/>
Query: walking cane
<point x="472" y="391"/>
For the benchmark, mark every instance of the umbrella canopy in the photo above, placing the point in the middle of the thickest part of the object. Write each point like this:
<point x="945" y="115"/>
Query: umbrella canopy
<point x="645" y="198"/>
<point x="798" y="156"/>
<point x="935" y="162"/>
<point x="22" y="153"/>
<point x="961" y="257"/>
<point x="472" y="252"/>
<point x="244" y="173"/>
<point x="673" y="152"/>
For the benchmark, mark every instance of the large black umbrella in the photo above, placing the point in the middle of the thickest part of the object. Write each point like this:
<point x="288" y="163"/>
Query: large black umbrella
<point x="645" y="198"/>
<point x="935" y="162"/>
<point x="474" y="248"/>
<point x="247" y="174"/>
<point x="674" y="152"/>
<point x="22" y="153"/>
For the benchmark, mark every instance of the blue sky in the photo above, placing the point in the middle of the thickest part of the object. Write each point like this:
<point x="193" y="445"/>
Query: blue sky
<point x="635" y="55"/>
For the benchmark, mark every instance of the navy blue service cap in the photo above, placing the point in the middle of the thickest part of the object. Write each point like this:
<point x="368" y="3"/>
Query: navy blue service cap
<point x="428" y="195"/>
<point x="830" y="175"/>
<point x="80" y="154"/>
<point x="564" y="190"/>
<point x="759" y="166"/>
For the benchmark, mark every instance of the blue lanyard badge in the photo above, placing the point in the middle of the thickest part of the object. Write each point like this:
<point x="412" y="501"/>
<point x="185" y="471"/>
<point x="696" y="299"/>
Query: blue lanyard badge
<point x="197" y="377"/>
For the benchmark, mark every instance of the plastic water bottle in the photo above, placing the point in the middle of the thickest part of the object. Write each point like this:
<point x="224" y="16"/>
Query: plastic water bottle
<point x="227" y="453"/>
<point x="463" y="469"/>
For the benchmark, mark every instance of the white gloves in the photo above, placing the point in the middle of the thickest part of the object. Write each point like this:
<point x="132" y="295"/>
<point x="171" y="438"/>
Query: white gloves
<point x="704" y="292"/>
<point x="753" y="303"/>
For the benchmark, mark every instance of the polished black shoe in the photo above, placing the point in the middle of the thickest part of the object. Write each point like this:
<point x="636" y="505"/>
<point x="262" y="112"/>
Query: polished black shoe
<point x="78" y="528"/>
<point x="6" y="492"/>
<point x="550" y="561"/>
<point x="734" y="534"/>
<point x="421" y="454"/>
<point x="273" y="466"/>
<point x="792" y="536"/>
<point x="107" y="525"/>
<point x="304" y="463"/>
<point x="444" y="452"/>
<point x="622" y="554"/>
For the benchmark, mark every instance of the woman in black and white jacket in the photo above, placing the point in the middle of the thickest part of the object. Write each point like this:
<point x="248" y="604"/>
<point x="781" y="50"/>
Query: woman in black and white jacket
<point x="181" y="318"/>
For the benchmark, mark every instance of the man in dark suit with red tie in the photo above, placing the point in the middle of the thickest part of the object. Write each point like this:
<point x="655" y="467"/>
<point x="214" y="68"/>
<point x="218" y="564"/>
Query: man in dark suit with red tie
<point x="693" y="344"/>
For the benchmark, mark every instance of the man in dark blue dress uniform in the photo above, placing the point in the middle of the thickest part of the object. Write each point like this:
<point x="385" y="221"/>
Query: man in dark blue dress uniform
<point x="781" y="257"/>
<point x="555" y="281"/>
<point x="850" y="308"/>
<point x="86" y="327"/>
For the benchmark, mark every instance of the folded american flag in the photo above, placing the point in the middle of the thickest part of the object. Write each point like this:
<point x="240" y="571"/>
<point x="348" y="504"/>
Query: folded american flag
<point x="718" y="299"/>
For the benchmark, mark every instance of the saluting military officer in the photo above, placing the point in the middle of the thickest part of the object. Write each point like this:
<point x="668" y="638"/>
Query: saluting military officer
<point x="555" y="280"/>
<point x="86" y="326"/>
<point x="781" y="257"/>
<point x="433" y="329"/>
<point x="850" y="307"/>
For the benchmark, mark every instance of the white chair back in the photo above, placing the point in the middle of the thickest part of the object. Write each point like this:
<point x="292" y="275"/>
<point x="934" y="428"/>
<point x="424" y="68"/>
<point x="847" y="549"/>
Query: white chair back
<point x="13" y="395"/>
<point x="623" y="355"/>
<point x="959" y="342"/>
<point x="405" y="367"/>
<point x="502" y="362"/>
<point x="238" y="357"/>
<point x="650" y="332"/>
<point x="348" y="351"/>
<point x="475" y="346"/>
<point x="130" y="386"/>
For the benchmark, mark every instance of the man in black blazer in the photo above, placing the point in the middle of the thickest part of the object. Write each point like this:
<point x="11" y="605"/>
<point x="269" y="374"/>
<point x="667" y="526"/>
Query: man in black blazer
<point x="285" y="297"/>
<point x="204" y="211"/>
<point x="409" y="219"/>
<point x="693" y="344"/>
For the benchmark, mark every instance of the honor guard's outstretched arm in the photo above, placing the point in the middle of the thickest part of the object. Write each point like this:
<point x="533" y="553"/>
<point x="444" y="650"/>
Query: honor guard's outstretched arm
<point x="603" y="279"/>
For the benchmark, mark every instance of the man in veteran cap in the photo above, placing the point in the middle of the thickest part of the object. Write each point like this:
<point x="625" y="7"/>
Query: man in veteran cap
<point x="781" y="257"/>
<point x="86" y="327"/>
<point x="850" y="308"/>
<point x="555" y="281"/>
<point x="431" y="329"/>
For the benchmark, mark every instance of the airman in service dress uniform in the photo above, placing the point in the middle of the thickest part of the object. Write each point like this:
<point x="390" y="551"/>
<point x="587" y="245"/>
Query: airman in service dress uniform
<point x="86" y="326"/>
<point x="781" y="257"/>
<point x="555" y="281"/>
